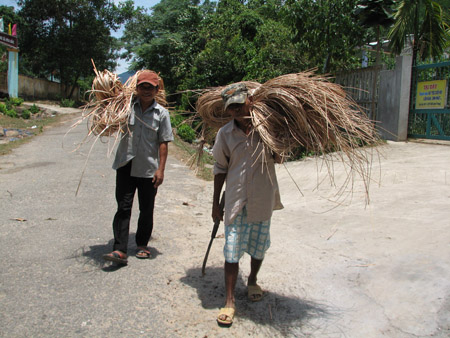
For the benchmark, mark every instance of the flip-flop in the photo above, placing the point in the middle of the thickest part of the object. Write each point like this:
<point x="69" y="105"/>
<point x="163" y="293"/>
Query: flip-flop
<point x="228" y="312"/>
<point x="143" y="253"/>
<point x="254" y="293"/>
<point x="116" y="257"/>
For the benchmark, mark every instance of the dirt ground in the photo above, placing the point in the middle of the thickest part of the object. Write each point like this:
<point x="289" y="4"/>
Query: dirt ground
<point x="337" y="267"/>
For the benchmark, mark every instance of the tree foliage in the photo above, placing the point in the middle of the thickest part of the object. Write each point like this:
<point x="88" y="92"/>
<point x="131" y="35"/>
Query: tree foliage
<point x="9" y="16"/>
<point x="424" y="23"/>
<point x="375" y="14"/>
<point x="61" y="37"/>
<point x="244" y="42"/>
<point x="326" y="31"/>
<point x="167" y="39"/>
<point x="197" y="44"/>
<point x="201" y="43"/>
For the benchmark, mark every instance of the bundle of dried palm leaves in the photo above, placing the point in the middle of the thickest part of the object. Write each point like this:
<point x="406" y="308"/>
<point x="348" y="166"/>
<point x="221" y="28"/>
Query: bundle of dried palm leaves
<point x="302" y="110"/>
<point x="109" y="103"/>
<point x="109" y="107"/>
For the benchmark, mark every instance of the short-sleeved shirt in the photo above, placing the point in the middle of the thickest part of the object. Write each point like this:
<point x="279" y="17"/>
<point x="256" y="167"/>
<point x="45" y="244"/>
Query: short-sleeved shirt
<point x="140" y="143"/>
<point x="250" y="168"/>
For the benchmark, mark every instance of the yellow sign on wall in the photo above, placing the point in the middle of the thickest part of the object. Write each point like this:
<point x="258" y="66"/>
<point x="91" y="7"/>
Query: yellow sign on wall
<point x="431" y="94"/>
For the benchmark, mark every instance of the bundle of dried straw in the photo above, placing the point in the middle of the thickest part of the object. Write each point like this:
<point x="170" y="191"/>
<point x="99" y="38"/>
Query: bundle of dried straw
<point x="295" y="110"/>
<point x="302" y="110"/>
<point x="109" y="103"/>
<point x="109" y="108"/>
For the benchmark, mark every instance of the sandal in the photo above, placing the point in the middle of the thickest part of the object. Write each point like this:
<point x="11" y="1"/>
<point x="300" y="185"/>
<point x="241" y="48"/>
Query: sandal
<point x="143" y="253"/>
<point x="116" y="257"/>
<point x="228" y="314"/>
<point x="255" y="293"/>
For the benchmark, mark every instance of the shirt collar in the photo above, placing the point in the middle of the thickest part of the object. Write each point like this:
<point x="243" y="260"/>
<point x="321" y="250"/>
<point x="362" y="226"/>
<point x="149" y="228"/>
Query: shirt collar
<point x="153" y="106"/>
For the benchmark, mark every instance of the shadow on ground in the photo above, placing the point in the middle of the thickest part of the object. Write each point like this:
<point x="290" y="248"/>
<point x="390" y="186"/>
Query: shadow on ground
<point x="282" y="312"/>
<point x="94" y="254"/>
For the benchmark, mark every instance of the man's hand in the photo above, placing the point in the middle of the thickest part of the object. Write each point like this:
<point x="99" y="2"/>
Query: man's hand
<point x="217" y="209"/>
<point x="158" y="178"/>
<point x="217" y="212"/>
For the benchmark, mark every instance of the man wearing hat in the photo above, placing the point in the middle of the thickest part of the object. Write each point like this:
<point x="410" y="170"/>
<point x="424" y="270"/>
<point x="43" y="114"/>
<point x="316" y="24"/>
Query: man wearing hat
<point x="140" y="163"/>
<point x="246" y="164"/>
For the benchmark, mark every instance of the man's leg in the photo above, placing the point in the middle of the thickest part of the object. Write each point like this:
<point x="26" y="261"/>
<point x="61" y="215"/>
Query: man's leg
<point x="125" y="190"/>
<point x="233" y="252"/>
<point x="255" y="265"/>
<point x="231" y="274"/>
<point x="146" y="194"/>
<point x="259" y="242"/>
<point x="254" y="290"/>
<point x="226" y="314"/>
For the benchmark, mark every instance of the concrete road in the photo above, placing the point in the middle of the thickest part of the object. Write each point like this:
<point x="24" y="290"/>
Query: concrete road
<point x="337" y="267"/>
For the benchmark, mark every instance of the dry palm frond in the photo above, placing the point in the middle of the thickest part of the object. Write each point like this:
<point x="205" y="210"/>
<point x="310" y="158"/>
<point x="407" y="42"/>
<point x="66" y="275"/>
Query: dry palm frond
<point x="303" y="110"/>
<point x="108" y="109"/>
<point x="109" y="106"/>
<point x="306" y="110"/>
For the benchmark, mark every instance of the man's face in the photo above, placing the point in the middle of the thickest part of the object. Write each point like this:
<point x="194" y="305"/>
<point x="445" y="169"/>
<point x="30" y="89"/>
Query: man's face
<point x="147" y="92"/>
<point x="239" y="111"/>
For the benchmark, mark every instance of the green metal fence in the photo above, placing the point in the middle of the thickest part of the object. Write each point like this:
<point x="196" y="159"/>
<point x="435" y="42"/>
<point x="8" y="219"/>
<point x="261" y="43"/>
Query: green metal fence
<point x="430" y="123"/>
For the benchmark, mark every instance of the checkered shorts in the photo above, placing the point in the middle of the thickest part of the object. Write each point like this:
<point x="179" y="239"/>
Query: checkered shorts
<point x="240" y="237"/>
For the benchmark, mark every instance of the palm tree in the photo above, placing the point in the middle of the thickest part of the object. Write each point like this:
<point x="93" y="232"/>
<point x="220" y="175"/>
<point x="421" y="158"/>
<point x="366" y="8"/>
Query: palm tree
<point x="375" y="13"/>
<point x="425" y="22"/>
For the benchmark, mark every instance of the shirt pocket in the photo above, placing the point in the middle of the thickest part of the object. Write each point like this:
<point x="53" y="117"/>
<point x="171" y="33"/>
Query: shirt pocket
<point x="150" y="127"/>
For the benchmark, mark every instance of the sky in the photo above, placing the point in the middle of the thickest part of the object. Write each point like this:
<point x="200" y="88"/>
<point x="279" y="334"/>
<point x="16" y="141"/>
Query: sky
<point x="123" y="65"/>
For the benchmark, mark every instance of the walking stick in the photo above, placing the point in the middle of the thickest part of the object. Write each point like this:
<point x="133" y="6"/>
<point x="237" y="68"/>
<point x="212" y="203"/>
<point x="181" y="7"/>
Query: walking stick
<point x="213" y="233"/>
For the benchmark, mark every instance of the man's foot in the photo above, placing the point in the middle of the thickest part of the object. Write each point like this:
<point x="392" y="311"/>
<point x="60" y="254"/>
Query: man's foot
<point x="143" y="252"/>
<point x="116" y="257"/>
<point x="255" y="293"/>
<point x="226" y="316"/>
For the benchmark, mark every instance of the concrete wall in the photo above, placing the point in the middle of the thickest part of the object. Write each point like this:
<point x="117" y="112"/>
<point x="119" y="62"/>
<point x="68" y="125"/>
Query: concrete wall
<point x="38" y="89"/>
<point x="393" y="100"/>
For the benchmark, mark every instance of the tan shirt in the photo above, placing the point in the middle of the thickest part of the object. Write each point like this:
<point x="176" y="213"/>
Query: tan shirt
<point x="250" y="168"/>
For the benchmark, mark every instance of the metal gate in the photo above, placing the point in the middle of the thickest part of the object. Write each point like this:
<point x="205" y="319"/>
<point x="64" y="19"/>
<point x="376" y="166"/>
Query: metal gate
<point x="429" y="115"/>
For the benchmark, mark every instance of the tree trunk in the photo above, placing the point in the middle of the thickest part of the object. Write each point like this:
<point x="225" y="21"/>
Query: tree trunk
<point x="375" y="77"/>
<point x="73" y="87"/>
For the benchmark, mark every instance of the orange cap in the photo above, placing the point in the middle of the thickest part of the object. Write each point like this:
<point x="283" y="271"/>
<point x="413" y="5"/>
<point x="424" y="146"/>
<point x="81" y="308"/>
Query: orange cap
<point x="148" y="76"/>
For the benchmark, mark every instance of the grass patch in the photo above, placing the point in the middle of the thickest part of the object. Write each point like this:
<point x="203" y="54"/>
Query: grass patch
<point x="35" y="127"/>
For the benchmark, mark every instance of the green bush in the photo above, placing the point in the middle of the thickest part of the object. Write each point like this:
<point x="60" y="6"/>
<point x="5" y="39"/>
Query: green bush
<point x="34" y="109"/>
<point x="15" y="101"/>
<point x="11" y="113"/>
<point x="3" y="108"/>
<point x="176" y="120"/>
<point x="26" y="114"/>
<point x="186" y="133"/>
<point x="67" y="103"/>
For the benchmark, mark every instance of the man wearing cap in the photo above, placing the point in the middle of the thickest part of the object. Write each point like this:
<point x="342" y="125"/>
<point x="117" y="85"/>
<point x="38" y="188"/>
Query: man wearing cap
<point x="140" y="163"/>
<point x="247" y="166"/>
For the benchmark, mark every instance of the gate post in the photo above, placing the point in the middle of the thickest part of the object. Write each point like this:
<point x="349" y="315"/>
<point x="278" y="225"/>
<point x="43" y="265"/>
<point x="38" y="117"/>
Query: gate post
<point x="393" y="100"/>
<point x="13" y="73"/>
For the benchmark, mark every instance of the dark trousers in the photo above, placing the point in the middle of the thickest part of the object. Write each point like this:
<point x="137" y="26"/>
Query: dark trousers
<point x="126" y="186"/>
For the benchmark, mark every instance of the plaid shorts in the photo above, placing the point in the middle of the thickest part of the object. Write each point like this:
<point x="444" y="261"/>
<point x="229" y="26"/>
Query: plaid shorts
<point x="240" y="236"/>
